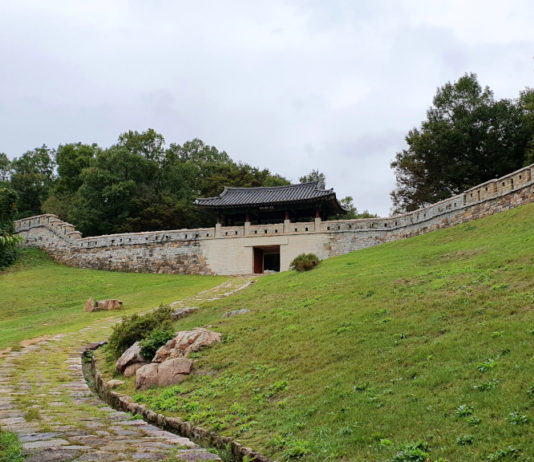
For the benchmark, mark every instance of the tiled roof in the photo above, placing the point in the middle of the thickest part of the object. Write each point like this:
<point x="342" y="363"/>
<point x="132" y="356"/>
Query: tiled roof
<point x="240" y="197"/>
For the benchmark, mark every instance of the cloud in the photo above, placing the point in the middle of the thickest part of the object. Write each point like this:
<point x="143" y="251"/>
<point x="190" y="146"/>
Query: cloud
<point x="288" y="86"/>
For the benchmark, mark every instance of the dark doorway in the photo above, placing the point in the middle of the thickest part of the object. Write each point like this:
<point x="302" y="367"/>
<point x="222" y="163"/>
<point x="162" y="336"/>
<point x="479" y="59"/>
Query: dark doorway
<point x="266" y="259"/>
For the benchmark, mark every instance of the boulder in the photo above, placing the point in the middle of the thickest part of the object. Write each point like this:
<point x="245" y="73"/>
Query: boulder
<point x="162" y="374"/>
<point x="185" y="342"/>
<point x="131" y="356"/>
<point x="111" y="304"/>
<point x="132" y="368"/>
<point x="236" y="312"/>
<point x="89" y="305"/>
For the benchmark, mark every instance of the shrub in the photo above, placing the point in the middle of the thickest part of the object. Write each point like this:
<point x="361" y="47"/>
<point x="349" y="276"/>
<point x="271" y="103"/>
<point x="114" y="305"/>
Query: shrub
<point x="465" y="440"/>
<point x="137" y="327"/>
<point x="155" y="339"/>
<point x="305" y="262"/>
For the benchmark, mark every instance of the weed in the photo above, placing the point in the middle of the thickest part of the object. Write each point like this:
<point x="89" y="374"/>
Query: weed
<point x="510" y="452"/>
<point x="473" y="420"/>
<point x="464" y="410"/>
<point x="486" y="386"/>
<point x="297" y="449"/>
<point x="465" y="440"/>
<point x="486" y="365"/>
<point x="305" y="262"/>
<point x="32" y="414"/>
<point x="412" y="452"/>
<point x="514" y="418"/>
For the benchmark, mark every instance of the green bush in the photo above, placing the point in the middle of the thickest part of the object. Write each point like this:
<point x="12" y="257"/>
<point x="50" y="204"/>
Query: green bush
<point x="155" y="339"/>
<point x="137" y="327"/>
<point x="305" y="262"/>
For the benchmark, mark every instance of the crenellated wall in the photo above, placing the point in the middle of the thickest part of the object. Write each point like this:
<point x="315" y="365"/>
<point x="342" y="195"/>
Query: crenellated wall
<point x="229" y="250"/>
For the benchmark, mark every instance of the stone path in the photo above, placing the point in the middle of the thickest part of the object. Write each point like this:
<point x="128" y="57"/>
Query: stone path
<point x="45" y="400"/>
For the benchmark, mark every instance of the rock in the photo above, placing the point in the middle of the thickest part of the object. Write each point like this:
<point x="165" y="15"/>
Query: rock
<point x="89" y="305"/>
<point x="146" y="376"/>
<point x="236" y="312"/>
<point x="162" y="374"/>
<point x="132" y="368"/>
<point x="182" y="312"/>
<point x="131" y="356"/>
<point x="111" y="304"/>
<point x="185" y="342"/>
<point x="114" y="383"/>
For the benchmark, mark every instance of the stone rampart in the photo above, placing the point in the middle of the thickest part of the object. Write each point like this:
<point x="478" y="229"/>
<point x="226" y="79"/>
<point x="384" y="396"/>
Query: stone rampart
<point x="229" y="250"/>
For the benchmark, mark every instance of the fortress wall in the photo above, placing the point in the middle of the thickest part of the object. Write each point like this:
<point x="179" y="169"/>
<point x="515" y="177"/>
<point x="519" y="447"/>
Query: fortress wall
<point x="229" y="250"/>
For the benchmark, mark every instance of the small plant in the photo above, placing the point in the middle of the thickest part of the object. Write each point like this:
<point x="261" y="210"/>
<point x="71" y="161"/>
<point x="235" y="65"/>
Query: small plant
<point x="465" y="440"/>
<point x="530" y="391"/>
<point x="297" y="449"/>
<point x="412" y="452"/>
<point x="464" y="410"/>
<point x="486" y="365"/>
<point x="474" y="420"/>
<point x="305" y="262"/>
<point x="507" y="453"/>
<point x="515" y="418"/>
<point x="87" y="357"/>
<point x="486" y="386"/>
<point x="155" y="339"/>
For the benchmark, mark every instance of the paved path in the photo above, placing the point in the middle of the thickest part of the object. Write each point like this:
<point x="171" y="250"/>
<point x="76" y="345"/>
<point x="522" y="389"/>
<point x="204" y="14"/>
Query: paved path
<point x="45" y="400"/>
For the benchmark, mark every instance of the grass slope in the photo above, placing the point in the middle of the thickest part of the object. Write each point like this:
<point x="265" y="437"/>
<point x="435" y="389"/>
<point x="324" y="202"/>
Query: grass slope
<point x="424" y="340"/>
<point x="40" y="297"/>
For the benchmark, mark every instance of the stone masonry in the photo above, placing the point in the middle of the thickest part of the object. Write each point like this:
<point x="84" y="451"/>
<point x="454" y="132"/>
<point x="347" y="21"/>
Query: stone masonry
<point x="229" y="250"/>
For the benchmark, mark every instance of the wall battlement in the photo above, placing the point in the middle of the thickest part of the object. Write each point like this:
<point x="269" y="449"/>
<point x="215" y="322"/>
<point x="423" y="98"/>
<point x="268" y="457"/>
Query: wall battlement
<point x="229" y="250"/>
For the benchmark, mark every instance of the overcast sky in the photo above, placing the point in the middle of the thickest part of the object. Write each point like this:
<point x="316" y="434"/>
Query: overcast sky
<point x="286" y="85"/>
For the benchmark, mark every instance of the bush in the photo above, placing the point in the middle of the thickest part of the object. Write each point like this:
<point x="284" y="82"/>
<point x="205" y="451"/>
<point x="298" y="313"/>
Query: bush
<point x="137" y="327"/>
<point x="305" y="262"/>
<point x="417" y="452"/>
<point x="155" y="339"/>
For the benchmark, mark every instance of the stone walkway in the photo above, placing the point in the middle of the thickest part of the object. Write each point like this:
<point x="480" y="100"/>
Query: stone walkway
<point x="45" y="400"/>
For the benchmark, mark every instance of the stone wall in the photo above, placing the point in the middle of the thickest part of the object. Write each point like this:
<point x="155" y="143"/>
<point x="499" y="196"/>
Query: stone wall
<point x="229" y="250"/>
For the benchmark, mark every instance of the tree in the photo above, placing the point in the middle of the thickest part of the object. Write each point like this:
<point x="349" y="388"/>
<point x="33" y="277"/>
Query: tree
<point x="8" y="241"/>
<point x="468" y="138"/>
<point x="5" y="168"/>
<point x="314" y="175"/>
<point x="32" y="175"/>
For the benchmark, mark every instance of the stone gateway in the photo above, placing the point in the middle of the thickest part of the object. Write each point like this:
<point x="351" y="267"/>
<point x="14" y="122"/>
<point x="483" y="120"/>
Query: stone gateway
<point x="261" y="242"/>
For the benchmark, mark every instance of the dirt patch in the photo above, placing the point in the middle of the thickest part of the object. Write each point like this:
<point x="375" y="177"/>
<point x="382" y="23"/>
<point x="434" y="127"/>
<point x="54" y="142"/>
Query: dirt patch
<point x="32" y="341"/>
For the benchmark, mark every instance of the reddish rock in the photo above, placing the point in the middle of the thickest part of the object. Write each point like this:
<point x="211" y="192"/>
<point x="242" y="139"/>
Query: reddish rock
<point x="162" y="374"/>
<point x="89" y="305"/>
<point x="111" y="304"/>
<point x="131" y="356"/>
<point x="185" y="342"/>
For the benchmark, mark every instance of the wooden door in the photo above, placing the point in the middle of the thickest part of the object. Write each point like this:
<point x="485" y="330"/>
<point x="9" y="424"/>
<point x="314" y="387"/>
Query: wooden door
<point x="258" y="260"/>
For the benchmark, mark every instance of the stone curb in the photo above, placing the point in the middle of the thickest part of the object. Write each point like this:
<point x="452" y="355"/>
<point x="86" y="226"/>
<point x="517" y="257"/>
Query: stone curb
<point x="175" y="425"/>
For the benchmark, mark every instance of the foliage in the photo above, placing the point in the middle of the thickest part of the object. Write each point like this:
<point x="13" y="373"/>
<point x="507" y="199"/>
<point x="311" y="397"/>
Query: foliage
<point x="8" y="241"/>
<point x="155" y="339"/>
<point x="10" y="447"/>
<point x="314" y="175"/>
<point x="305" y="262"/>
<point x="467" y="139"/>
<point x="137" y="327"/>
<point x="354" y="380"/>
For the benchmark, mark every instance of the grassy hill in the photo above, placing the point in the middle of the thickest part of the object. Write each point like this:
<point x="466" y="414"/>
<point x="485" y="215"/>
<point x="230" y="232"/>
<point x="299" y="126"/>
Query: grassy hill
<point x="40" y="297"/>
<point x="414" y="350"/>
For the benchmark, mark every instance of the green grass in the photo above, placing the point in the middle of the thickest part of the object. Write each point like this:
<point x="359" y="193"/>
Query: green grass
<point x="422" y="348"/>
<point x="40" y="297"/>
<point x="10" y="447"/>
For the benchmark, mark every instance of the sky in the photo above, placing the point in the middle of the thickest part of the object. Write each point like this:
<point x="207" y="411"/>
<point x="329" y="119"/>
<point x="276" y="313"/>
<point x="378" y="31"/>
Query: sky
<point x="291" y="86"/>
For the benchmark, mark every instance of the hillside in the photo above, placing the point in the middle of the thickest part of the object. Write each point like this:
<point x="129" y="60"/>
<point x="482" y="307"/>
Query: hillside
<point x="425" y="340"/>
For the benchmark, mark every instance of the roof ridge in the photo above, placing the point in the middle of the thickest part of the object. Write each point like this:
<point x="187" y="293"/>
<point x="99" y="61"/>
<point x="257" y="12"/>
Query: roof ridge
<point x="272" y="187"/>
